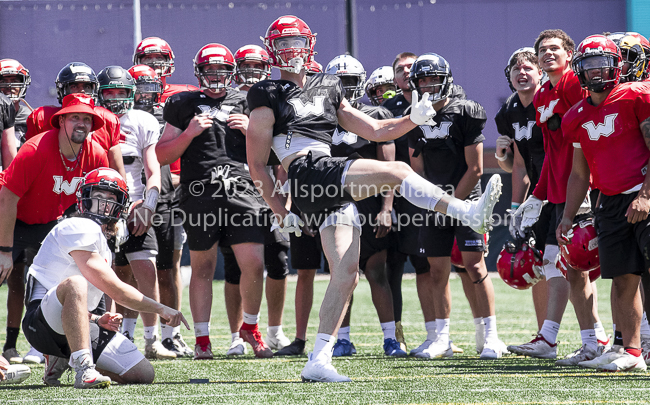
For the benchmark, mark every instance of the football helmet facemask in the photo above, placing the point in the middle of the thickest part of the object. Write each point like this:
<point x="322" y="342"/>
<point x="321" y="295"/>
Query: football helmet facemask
<point x="76" y="72"/>
<point x="248" y="75"/>
<point x="102" y="210"/>
<point x="116" y="77"/>
<point x="381" y="78"/>
<point x="351" y="73"/>
<point x="427" y="65"/>
<point x="290" y="43"/>
<point x="11" y="67"/>
<point x="148" y="87"/>
<point x="214" y="79"/>
<point x="159" y="47"/>
<point x="597" y="63"/>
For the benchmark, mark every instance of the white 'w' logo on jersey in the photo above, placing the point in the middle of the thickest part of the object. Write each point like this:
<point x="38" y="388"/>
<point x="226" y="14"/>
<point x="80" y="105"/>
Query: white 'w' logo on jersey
<point x="604" y="129"/>
<point x="303" y="110"/>
<point x="349" y="138"/>
<point x="522" y="133"/>
<point x="62" y="186"/>
<point x="220" y="114"/>
<point x="440" y="131"/>
<point x="546" y="113"/>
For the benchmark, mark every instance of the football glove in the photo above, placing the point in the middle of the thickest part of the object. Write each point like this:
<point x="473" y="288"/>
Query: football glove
<point x="422" y="111"/>
<point x="290" y="224"/>
<point x="527" y="214"/>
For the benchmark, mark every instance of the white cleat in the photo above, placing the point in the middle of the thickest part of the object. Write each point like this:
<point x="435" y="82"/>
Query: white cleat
<point x="15" y="374"/>
<point x="86" y="376"/>
<point x="436" y="350"/>
<point x="626" y="362"/>
<point x="154" y="350"/>
<point x="480" y="212"/>
<point x="420" y="348"/>
<point x="614" y="353"/>
<point x="493" y="350"/>
<point x="318" y="371"/>
<point x="33" y="356"/>
<point x="539" y="348"/>
<point x="277" y="342"/>
<point x="585" y="353"/>
<point x="237" y="348"/>
<point x="12" y="356"/>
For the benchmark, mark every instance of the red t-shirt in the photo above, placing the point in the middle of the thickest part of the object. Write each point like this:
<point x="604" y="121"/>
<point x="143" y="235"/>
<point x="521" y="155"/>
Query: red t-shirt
<point x="37" y="175"/>
<point x="610" y="137"/>
<point x="107" y="136"/>
<point x="171" y="89"/>
<point x="551" y="103"/>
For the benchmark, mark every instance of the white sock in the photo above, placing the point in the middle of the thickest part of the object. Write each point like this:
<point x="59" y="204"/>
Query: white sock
<point x="234" y="336"/>
<point x="128" y="326"/>
<point x="550" y="254"/>
<point x="274" y="330"/>
<point x="588" y="337"/>
<point x="420" y="192"/>
<point x="166" y="331"/>
<point x="491" y="328"/>
<point x="201" y="329"/>
<point x="442" y="329"/>
<point x="344" y="333"/>
<point x="431" y="330"/>
<point x="459" y="210"/>
<point x="176" y="330"/>
<point x="150" y="331"/>
<point x="251" y="319"/>
<point x="645" y="327"/>
<point x="323" y="347"/>
<point x="549" y="331"/>
<point x="389" y="330"/>
<point x="600" y="332"/>
<point x="75" y="355"/>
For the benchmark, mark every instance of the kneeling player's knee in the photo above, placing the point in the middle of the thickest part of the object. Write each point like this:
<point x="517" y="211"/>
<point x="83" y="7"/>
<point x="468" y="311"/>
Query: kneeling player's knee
<point x="141" y="373"/>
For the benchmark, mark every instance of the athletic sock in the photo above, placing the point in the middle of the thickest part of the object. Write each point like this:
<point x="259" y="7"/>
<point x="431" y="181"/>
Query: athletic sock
<point x="234" y="336"/>
<point x="128" y="326"/>
<point x="274" y="330"/>
<point x="201" y="329"/>
<point x="250" y="321"/>
<point x="618" y="338"/>
<point x="323" y="347"/>
<point x="167" y="332"/>
<point x="634" y="352"/>
<point x="344" y="333"/>
<point x="549" y="331"/>
<point x="491" y="328"/>
<point x="150" y="332"/>
<point x="79" y="353"/>
<point x="442" y="329"/>
<point x="601" y="335"/>
<point x="588" y="337"/>
<point x="389" y="330"/>
<point x="431" y="329"/>
<point x="420" y="192"/>
<point x="12" y="338"/>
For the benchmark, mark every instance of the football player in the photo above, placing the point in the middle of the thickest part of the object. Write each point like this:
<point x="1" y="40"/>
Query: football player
<point x="375" y="211"/>
<point x="67" y="281"/>
<point x="296" y="118"/>
<point x="380" y="85"/>
<point x="520" y="150"/>
<point x="610" y="132"/>
<point x="555" y="52"/>
<point x="207" y="131"/>
<point x="448" y="153"/>
<point x="39" y="187"/>
<point x="14" y="82"/>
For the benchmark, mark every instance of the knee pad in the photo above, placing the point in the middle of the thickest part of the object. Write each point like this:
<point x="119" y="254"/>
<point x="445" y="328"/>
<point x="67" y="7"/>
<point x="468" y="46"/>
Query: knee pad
<point x="548" y="268"/>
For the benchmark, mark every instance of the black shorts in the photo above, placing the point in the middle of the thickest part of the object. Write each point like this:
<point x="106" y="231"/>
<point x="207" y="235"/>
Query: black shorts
<point x="623" y="248"/>
<point x="555" y="217"/>
<point x="542" y="227"/>
<point x="368" y="210"/>
<point x="408" y="223"/>
<point x="317" y="182"/>
<point x="144" y="242"/>
<point x="438" y="233"/>
<point x="164" y="237"/>
<point x="306" y="251"/>
<point x="28" y="239"/>
<point x="228" y="219"/>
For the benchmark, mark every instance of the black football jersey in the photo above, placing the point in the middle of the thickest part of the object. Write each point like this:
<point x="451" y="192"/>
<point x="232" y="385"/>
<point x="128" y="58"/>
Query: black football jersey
<point x="218" y="152"/>
<point x="518" y="122"/>
<point x="345" y="143"/>
<point x="7" y="113"/>
<point x="309" y="111"/>
<point x="459" y="124"/>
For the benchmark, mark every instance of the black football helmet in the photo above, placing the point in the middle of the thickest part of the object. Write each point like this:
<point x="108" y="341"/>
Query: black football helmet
<point x="431" y="64"/>
<point x="75" y="72"/>
<point x="116" y="77"/>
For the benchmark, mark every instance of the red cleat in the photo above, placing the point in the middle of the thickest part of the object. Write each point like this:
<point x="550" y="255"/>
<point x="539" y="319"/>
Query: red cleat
<point x="254" y="338"/>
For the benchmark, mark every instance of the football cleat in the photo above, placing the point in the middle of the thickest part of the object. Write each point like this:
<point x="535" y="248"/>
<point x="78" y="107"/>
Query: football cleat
<point x="480" y="212"/>
<point x="296" y="348"/>
<point x="604" y="346"/>
<point x="399" y="335"/>
<point x="615" y="352"/>
<point x="392" y="348"/>
<point x="179" y="342"/>
<point x="254" y="338"/>
<point x="155" y="350"/>
<point x="626" y="362"/>
<point x="12" y="356"/>
<point x="87" y="376"/>
<point x="419" y="349"/>
<point x="237" y="348"/>
<point x="173" y="346"/>
<point x="33" y="356"/>
<point x="15" y="374"/>
<point x="277" y="342"/>
<point x="539" y="348"/>
<point x="437" y="349"/>
<point x="456" y="349"/>
<point x="318" y="371"/>
<point x="493" y="350"/>
<point x="54" y="369"/>
<point x="584" y="354"/>
<point x="343" y="347"/>
<point x="203" y="352"/>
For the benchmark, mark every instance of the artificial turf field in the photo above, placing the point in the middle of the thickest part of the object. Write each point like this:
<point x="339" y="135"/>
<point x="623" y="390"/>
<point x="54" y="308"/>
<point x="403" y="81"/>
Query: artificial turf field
<point x="463" y="379"/>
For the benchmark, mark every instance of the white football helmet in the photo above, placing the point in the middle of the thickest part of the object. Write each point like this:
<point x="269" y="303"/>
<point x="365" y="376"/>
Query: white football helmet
<point x="352" y="74"/>
<point x="379" y="77"/>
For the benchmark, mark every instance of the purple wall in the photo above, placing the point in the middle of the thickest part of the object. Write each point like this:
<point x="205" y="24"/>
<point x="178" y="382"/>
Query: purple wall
<point x="475" y="36"/>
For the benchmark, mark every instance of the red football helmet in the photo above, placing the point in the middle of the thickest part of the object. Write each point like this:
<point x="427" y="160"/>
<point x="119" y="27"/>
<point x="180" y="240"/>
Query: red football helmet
<point x="148" y="87"/>
<point x="214" y="79"/>
<point x="560" y="264"/>
<point x="14" y="88"/>
<point x="290" y="43"/>
<point x="597" y="63"/>
<point x="518" y="265"/>
<point x="313" y="67"/>
<point x="249" y="75"/>
<point x="155" y="45"/>
<point x="582" y="251"/>
<point x="105" y="210"/>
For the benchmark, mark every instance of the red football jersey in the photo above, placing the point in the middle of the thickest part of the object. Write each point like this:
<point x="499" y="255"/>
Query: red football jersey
<point x="171" y="89"/>
<point x="38" y="176"/>
<point x="548" y="102"/>
<point x="107" y="136"/>
<point x="175" y="167"/>
<point x="610" y="137"/>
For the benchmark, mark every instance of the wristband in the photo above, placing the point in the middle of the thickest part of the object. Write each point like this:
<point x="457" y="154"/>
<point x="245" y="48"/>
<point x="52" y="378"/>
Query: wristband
<point x="514" y="205"/>
<point x="6" y="249"/>
<point x="151" y="199"/>
<point x="95" y="320"/>
<point x="499" y="158"/>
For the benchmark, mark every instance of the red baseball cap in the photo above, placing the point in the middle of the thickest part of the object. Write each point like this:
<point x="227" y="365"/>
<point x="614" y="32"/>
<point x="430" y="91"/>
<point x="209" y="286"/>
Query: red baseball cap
<point x="78" y="103"/>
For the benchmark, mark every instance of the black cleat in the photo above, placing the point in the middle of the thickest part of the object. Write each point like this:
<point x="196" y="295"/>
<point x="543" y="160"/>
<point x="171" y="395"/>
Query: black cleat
<point x="296" y="348"/>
